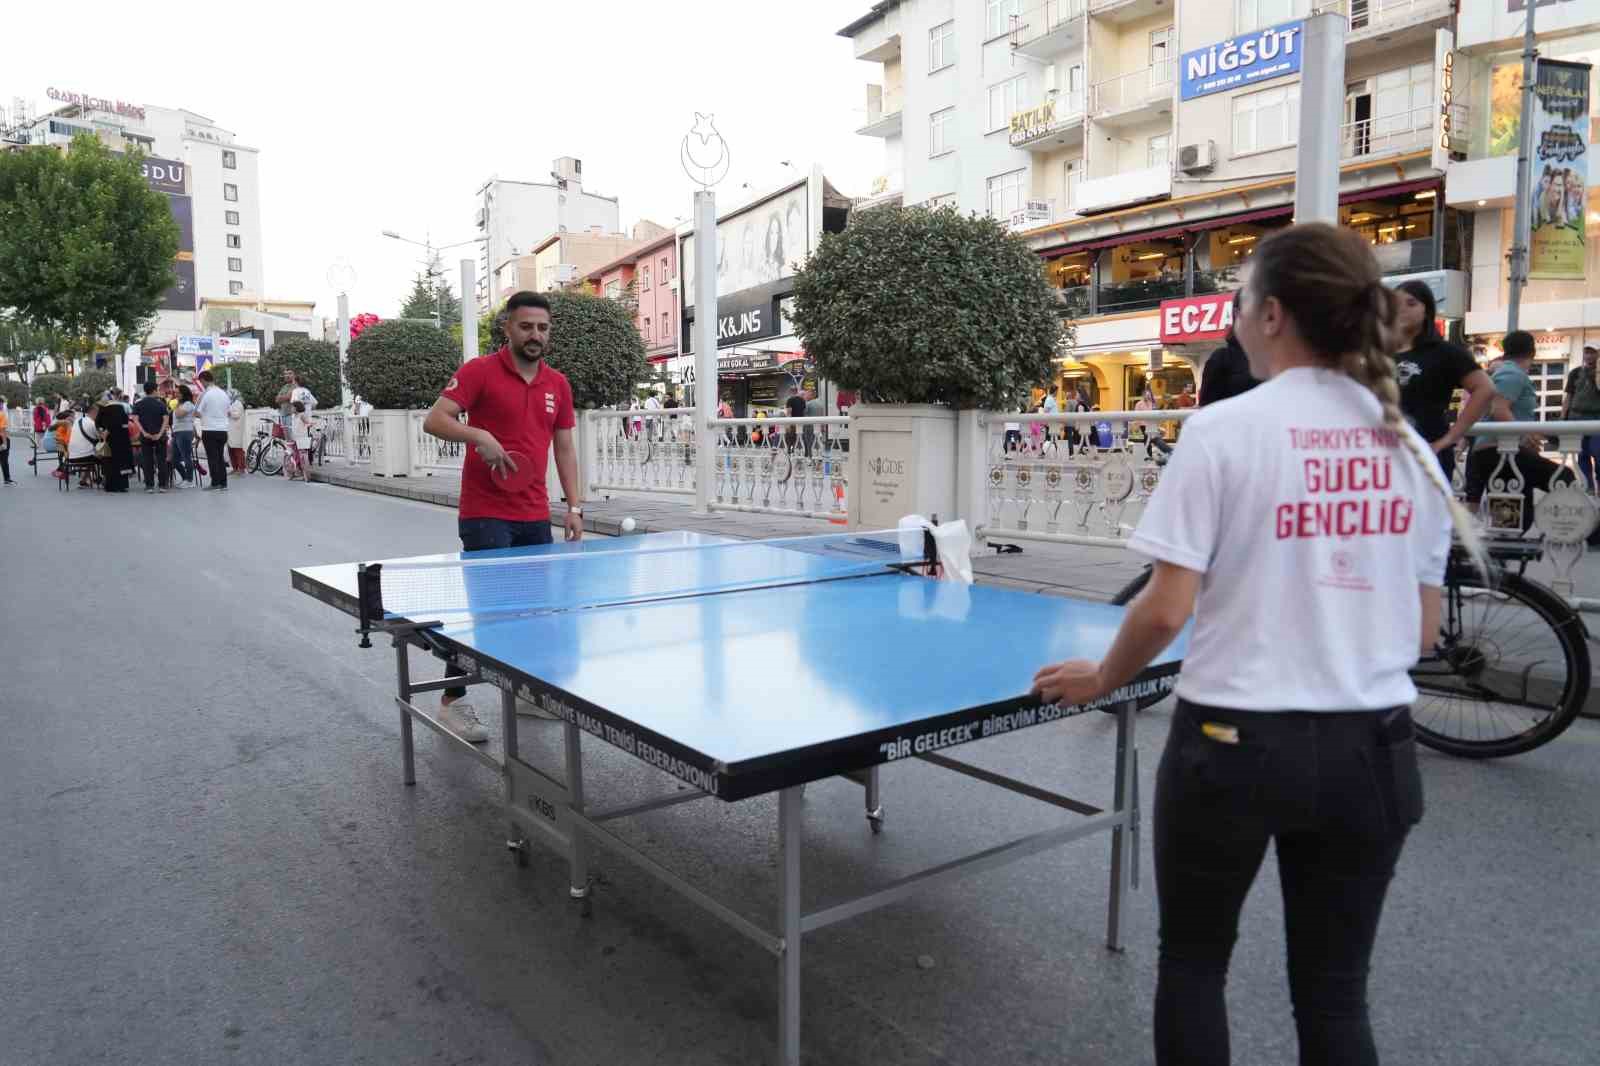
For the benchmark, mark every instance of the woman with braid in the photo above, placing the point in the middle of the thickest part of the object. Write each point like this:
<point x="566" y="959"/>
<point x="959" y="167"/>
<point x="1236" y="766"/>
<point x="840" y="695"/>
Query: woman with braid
<point x="1305" y="526"/>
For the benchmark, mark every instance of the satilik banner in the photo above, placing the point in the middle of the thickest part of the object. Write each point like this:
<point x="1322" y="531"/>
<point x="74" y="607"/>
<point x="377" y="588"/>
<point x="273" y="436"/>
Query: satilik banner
<point x="1560" y="170"/>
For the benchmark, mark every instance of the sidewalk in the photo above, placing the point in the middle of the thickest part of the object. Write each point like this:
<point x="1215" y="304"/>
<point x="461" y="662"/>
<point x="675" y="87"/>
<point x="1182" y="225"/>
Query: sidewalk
<point x="1058" y="569"/>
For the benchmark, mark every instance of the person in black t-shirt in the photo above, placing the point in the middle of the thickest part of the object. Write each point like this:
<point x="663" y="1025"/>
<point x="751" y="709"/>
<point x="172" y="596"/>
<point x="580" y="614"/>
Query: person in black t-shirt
<point x="154" y="419"/>
<point x="1227" y="371"/>
<point x="796" y="406"/>
<point x="1429" y="370"/>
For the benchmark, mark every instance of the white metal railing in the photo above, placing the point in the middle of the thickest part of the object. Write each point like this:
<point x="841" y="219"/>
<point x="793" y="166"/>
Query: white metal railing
<point x="429" y="453"/>
<point x="347" y="437"/>
<point x="1044" y="19"/>
<point x="1134" y="89"/>
<point x="1406" y="131"/>
<point x="785" y="466"/>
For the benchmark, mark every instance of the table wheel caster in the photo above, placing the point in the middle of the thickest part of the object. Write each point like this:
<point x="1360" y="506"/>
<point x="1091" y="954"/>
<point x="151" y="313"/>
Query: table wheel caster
<point x="875" y="820"/>
<point x="519" y="852"/>
<point x="584" y="898"/>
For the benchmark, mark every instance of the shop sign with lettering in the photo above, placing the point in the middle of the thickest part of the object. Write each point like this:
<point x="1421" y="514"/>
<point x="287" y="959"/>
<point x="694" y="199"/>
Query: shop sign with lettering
<point x="1197" y="318"/>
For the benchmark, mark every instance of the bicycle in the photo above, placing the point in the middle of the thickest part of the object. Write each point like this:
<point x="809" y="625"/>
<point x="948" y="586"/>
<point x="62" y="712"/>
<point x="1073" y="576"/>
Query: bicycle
<point x="1510" y="671"/>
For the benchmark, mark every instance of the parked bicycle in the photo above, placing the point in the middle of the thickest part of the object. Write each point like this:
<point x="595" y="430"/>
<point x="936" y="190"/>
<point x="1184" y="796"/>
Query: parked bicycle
<point x="1511" y="669"/>
<point x="272" y="452"/>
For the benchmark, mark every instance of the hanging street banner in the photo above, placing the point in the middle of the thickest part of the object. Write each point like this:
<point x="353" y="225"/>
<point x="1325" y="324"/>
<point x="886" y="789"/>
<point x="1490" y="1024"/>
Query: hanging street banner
<point x="1559" y="170"/>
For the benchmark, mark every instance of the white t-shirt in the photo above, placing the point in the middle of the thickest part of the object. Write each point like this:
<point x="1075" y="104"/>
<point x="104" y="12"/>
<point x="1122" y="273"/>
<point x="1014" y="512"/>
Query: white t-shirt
<point x="84" y="438"/>
<point x="1308" y="599"/>
<point x="212" y="410"/>
<point x="303" y="394"/>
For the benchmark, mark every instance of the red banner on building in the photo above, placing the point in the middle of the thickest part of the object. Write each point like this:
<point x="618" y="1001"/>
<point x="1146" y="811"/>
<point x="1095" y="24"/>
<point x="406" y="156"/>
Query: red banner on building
<point x="1198" y="318"/>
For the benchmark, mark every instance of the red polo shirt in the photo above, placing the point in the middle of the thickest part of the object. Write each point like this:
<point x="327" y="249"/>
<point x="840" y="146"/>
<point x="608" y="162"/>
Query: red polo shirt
<point x="523" y="416"/>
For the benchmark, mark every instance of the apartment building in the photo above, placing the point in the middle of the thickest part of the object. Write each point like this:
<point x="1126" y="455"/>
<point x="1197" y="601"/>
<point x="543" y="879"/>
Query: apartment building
<point x="514" y="216"/>
<point x="652" y="270"/>
<point x="1144" y="146"/>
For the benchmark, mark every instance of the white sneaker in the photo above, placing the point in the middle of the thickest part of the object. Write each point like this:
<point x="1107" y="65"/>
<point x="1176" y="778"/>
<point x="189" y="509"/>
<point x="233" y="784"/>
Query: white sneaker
<point x="462" y="720"/>
<point x="529" y="709"/>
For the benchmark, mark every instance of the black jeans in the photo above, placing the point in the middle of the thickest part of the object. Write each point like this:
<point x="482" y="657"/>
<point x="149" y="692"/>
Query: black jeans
<point x="1336" y="793"/>
<point x="5" y="458"/>
<point x="153" y="462"/>
<point x="216" y="444"/>
<point x="485" y="534"/>
<point x="1534" y="470"/>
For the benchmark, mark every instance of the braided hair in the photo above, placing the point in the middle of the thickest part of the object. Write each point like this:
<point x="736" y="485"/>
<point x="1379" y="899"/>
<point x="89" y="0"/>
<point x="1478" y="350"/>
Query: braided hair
<point x="1328" y="280"/>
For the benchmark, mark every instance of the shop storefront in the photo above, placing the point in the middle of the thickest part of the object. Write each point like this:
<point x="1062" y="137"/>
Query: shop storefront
<point x="758" y="384"/>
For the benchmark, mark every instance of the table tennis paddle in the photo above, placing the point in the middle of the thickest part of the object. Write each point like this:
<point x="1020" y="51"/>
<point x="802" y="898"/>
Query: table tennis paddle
<point x="514" y="480"/>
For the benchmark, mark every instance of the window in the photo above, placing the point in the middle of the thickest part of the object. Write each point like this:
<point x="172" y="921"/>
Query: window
<point x="941" y="132"/>
<point x="230" y="193"/>
<point x="1005" y="100"/>
<point x="230" y="161"/>
<point x="1159" y="153"/>
<point x="645" y="284"/>
<point x="235" y="288"/>
<point x="1005" y="193"/>
<point x="647" y="329"/>
<point x="1069" y="184"/>
<point x="1253" y="14"/>
<point x="666" y="269"/>
<point x="614" y="289"/>
<point x="1403" y="99"/>
<point x="236" y="265"/>
<point x="666" y="327"/>
<point x="942" y="46"/>
<point x="998" y="15"/>
<point x="1161" y="53"/>
<point x="947" y="200"/>
<point x="233" y="218"/>
<point x="234" y="241"/>
<point x="1265" y="120"/>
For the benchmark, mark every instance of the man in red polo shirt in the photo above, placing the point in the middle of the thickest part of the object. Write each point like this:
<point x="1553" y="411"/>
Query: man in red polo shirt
<point x="514" y="402"/>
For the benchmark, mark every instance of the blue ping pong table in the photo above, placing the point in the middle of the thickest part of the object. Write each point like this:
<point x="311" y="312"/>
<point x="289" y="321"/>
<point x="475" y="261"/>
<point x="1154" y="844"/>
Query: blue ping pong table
<point x="744" y="668"/>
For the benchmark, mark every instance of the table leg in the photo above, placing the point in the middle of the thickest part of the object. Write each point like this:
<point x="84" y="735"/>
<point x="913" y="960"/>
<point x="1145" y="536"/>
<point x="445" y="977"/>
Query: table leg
<point x="789" y="844"/>
<point x="517" y="842"/>
<point x="874" y="801"/>
<point x="408" y="751"/>
<point x="580" y="843"/>
<point x="1125" y="837"/>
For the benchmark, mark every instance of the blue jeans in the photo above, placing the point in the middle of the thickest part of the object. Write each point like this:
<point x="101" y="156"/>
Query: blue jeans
<point x="1589" y="460"/>
<point x="183" y="453"/>
<point x="485" y="534"/>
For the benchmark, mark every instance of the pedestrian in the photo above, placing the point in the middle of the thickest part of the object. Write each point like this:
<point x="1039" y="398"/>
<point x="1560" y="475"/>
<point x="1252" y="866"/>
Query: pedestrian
<point x="1227" y="371"/>
<point x="285" y="402"/>
<point x="5" y="445"/>
<point x="1515" y="400"/>
<point x="812" y="409"/>
<point x="795" y="405"/>
<point x="1430" y="369"/>
<point x="515" y="403"/>
<point x="117" y="456"/>
<point x="1581" y="402"/>
<point x="183" y="436"/>
<point x="652" y="426"/>
<point x="1013" y="438"/>
<point x="154" y="420"/>
<point x="1186" y="398"/>
<point x="212" y="413"/>
<point x="300" y="442"/>
<point x="236" y="431"/>
<point x="1306" y="527"/>
<point x="60" y="436"/>
<point x="82" y="445"/>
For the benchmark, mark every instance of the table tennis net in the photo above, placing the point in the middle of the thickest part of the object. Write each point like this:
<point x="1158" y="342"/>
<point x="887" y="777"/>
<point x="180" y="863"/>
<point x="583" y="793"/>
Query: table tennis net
<point x="599" y="577"/>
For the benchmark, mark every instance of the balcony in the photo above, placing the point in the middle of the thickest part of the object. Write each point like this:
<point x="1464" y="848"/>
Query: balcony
<point x="884" y="116"/>
<point x="879" y="40"/>
<point x="1121" y="190"/>
<point x="1374" y="138"/>
<point x="1127" y="10"/>
<point x="1134" y="97"/>
<point x="1406" y="257"/>
<point x="1049" y="29"/>
<point x="1384" y="24"/>
<point x="1056" y="123"/>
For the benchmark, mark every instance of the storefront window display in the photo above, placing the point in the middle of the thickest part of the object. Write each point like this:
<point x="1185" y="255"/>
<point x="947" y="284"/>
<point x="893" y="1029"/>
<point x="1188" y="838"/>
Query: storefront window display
<point x="1072" y="275"/>
<point x="1399" y="228"/>
<point x="1167" y="384"/>
<point x="1220" y="254"/>
<point x="1137" y="276"/>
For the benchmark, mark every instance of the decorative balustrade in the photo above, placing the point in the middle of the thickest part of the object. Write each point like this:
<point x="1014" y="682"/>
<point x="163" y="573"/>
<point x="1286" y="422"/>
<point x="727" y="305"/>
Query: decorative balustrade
<point x="429" y="454"/>
<point x="346" y="437"/>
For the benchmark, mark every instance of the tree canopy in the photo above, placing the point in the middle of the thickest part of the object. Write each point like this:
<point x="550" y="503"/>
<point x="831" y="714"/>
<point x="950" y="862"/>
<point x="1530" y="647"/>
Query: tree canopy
<point x="595" y="343"/>
<point x="316" y="361"/>
<point x="431" y="297"/>
<point x="86" y="246"/>
<point x="399" y="364"/>
<point x="911" y="305"/>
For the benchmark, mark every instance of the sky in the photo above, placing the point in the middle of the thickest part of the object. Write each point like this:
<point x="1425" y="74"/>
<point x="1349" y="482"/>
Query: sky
<point x="370" y="119"/>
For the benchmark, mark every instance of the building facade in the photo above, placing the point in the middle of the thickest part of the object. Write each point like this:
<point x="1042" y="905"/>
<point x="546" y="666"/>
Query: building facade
<point x="211" y="180"/>
<point x="564" y="259"/>
<point x="652" y="270"/>
<point x="1143" y="147"/>
<point x="514" y="216"/>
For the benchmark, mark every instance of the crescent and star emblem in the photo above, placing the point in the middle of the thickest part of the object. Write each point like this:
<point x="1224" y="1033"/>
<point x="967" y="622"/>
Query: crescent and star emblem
<point x="705" y="153"/>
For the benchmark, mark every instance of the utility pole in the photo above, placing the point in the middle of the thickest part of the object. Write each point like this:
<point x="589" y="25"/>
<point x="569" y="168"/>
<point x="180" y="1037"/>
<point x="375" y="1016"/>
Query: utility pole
<point x="1520" y="220"/>
<point x="1322" y="85"/>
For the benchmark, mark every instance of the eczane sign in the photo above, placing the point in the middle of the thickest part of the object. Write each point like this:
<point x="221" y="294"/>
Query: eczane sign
<point x="1197" y="318"/>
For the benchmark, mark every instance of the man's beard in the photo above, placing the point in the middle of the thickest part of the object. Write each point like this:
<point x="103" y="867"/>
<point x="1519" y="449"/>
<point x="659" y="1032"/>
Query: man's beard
<point x="530" y="352"/>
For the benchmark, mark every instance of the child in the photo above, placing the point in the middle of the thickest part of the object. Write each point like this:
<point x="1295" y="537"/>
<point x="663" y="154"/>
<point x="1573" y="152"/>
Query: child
<point x="301" y="439"/>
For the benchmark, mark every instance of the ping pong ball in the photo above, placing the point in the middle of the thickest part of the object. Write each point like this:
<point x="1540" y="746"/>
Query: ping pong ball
<point x="628" y="525"/>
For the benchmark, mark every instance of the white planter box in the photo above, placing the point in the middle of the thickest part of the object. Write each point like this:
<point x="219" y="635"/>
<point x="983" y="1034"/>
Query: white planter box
<point x="902" y="461"/>
<point x="391" y="443"/>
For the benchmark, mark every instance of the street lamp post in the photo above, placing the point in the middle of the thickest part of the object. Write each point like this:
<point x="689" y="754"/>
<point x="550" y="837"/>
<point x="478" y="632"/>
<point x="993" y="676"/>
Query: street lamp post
<point x="433" y="251"/>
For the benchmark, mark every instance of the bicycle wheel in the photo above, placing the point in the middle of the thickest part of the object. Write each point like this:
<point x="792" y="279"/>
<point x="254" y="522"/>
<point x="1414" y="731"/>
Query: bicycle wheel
<point x="272" y="458"/>
<point x="1510" y="671"/>
<point x="252" y="454"/>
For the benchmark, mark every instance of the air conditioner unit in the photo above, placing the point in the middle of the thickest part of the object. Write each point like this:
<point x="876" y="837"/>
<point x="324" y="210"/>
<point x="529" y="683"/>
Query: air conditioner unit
<point x="1196" y="157"/>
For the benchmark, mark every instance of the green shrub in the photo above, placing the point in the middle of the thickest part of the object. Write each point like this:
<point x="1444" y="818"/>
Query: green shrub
<point x="246" y="377"/>
<point x="400" y="365"/>
<point x="908" y="305"/>
<point x="596" y="344"/>
<point x="317" y="362"/>
<point x="85" y="387"/>
<point x="15" y="393"/>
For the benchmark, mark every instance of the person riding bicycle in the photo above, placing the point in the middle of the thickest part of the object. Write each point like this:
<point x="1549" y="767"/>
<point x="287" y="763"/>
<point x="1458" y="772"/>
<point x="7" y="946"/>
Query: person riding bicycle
<point x="1306" y="527"/>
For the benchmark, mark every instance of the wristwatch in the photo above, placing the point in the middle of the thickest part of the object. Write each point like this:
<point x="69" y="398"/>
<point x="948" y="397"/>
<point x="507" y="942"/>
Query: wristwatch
<point x="575" y="510"/>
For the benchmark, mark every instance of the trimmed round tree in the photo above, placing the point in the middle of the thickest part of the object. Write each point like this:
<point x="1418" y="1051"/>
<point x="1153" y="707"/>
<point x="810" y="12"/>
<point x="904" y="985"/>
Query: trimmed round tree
<point x="80" y="388"/>
<point x="912" y="306"/>
<point x="401" y="365"/>
<point x="13" y="393"/>
<point x="596" y="344"/>
<point x="317" y="362"/>
<point x="245" y="378"/>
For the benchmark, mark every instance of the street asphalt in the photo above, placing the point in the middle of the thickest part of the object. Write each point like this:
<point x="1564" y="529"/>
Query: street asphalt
<point x="209" y="856"/>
